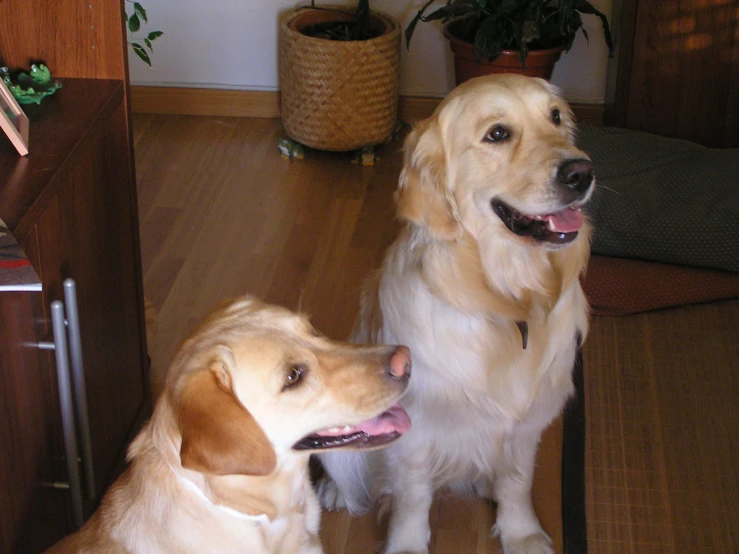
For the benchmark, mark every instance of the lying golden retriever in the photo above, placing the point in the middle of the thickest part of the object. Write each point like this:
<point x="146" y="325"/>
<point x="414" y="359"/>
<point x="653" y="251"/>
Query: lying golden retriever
<point x="482" y="285"/>
<point x="222" y="464"/>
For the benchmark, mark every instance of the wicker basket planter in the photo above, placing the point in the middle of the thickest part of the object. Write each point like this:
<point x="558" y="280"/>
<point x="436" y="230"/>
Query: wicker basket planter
<point x="338" y="95"/>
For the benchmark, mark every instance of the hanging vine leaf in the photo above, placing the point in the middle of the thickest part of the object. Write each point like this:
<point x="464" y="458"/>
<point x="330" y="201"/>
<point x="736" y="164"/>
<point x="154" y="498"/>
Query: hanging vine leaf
<point x="140" y="11"/>
<point x="141" y="53"/>
<point x="134" y="24"/>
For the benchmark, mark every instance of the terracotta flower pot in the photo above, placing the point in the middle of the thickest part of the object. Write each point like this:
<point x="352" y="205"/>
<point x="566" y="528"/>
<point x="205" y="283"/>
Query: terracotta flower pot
<point x="338" y="95"/>
<point x="539" y="63"/>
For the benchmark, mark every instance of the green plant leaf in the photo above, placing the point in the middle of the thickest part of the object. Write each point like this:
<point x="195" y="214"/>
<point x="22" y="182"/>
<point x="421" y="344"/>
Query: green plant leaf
<point x="141" y="53"/>
<point x="148" y="43"/>
<point x="362" y="16"/>
<point x="140" y="11"/>
<point x="154" y="35"/>
<point x="412" y="25"/>
<point x="586" y="7"/>
<point x="133" y="23"/>
<point x="487" y="39"/>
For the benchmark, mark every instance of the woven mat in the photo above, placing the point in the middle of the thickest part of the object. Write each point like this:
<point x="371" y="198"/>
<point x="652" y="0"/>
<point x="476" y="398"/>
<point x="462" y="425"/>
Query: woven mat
<point x="662" y="420"/>
<point x="620" y="286"/>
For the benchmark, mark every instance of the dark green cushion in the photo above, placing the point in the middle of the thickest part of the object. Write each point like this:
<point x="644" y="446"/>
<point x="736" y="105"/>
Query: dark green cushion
<point x="664" y="200"/>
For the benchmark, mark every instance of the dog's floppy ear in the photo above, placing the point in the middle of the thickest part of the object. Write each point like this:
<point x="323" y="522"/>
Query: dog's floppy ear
<point x="219" y="435"/>
<point x="422" y="196"/>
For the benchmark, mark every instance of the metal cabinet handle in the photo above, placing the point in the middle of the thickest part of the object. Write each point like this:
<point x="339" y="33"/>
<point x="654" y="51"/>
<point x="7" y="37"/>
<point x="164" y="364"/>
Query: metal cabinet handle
<point x="78" y="378"/>
<point x="65" y="399"/>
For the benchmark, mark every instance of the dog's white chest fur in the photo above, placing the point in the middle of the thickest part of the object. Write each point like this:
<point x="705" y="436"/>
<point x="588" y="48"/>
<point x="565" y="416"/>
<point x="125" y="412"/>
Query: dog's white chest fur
<point x="462" y="359"/>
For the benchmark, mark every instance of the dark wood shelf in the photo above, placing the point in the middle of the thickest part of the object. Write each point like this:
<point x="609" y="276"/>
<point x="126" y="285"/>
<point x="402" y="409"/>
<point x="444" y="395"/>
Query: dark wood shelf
<point x="59" y="126"/>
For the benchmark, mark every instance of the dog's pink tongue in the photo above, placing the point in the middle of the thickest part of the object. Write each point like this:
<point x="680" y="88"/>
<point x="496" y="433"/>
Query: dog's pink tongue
<point x="566" y="221"/>
<point x="396" y="419"/>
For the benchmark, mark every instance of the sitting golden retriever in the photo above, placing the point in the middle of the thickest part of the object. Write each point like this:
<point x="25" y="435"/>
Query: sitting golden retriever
<point x="482" y="285"/>
<point x="222" y="464"/>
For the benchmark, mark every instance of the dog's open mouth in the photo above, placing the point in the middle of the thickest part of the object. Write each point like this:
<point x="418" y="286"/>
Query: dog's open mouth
<point x="378" y="431"/>
<point x="558" y="228"/>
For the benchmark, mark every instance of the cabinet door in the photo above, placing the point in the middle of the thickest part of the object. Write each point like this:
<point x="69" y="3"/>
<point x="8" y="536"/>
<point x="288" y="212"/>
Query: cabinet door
<point x="678" y="70"/>
<point x="89" y="233"/>
<point x="32" y="513"/>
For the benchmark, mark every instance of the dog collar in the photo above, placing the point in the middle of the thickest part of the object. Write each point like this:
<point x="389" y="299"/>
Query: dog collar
<point x="194" y="489"/>
<point x="523" y="328"/>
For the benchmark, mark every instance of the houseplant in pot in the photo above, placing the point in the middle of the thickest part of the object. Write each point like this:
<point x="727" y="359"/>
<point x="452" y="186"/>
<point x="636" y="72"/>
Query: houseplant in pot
<point x="507" y="36"/>
<point x="339" y="76"/>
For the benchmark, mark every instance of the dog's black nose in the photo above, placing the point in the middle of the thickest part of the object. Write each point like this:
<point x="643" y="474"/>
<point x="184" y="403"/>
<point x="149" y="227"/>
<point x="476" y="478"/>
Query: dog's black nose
<point x="399" y="365"/>
<point x="576" y="175"/>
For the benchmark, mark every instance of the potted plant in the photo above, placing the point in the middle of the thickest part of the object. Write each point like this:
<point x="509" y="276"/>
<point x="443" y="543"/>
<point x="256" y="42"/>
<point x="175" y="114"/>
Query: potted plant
<point x="505" y="36"/>
<point x="339" y="77"/>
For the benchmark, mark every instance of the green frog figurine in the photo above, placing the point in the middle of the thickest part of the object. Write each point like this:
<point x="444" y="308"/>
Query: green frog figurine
<point x="32" y="87"/>
<point x="289" y="149"/>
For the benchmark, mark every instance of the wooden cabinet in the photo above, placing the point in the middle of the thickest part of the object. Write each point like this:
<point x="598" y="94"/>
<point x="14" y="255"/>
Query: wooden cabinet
<point x="32" y="514"/>
<point x="72" y="205"/>
<point x="677" y="70"/>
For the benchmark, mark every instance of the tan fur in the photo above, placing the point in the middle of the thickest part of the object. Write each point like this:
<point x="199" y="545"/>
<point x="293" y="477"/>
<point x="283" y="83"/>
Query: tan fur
<point x="214" y="470"/>
<point x="454" y="287"/>
<point x="219" y="435"/>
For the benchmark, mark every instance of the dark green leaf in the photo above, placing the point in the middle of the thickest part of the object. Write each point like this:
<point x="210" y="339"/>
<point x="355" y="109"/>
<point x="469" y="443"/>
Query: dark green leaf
<point x="487" y="42"/>
<point x="140" y="11"/>
<point x="412" y="25"/>
<point x="586" y="7"/>
<point x="148" y="43"/>
<point x="133" y="23"/>
<point x="154" y="35"/>
<point x="362" y="16"/>
<point x="141" y="53"/>
<point x="445" y="12"/>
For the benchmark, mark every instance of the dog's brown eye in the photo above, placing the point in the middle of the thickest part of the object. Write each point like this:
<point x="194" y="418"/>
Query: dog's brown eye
<point x="556" y="117"/>
<point x="294" y="375"/>
<point x="497" y="134"/>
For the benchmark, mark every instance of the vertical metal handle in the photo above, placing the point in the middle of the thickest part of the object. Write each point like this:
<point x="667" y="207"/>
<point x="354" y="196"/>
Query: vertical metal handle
<point x="78" y="378"/>
<point x="65" y="401"/>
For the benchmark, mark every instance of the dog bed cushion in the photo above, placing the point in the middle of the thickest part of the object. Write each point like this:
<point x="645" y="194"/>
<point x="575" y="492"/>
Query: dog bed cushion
<point x="663" y="200"/>
<point x="619" y="286"/>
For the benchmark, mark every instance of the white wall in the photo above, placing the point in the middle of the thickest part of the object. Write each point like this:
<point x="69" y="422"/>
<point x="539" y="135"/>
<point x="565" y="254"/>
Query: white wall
<point x="233" y="44"/>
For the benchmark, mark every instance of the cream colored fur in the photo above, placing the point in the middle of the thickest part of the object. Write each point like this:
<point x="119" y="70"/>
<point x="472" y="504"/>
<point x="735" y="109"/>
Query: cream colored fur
<point x="452" y="288"/>
<point x="214" y="470"/>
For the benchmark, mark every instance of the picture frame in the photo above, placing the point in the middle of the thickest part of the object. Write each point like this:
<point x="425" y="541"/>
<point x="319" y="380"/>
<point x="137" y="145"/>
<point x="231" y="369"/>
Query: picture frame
<point x="13" y="120"/>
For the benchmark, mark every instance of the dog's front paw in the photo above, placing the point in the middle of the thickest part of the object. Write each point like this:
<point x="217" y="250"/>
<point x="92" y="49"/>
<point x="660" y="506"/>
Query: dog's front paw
<point x="329" y="494"/>
<point x="537" y="543"/>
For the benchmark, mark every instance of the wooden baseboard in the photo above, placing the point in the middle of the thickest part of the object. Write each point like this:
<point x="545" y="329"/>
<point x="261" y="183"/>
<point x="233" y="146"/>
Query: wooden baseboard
<point x="205" y="101"/>
<point x="255" y="103"/>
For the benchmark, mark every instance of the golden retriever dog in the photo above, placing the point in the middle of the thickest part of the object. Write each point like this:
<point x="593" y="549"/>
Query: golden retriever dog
<point x="222" y="464"/>
<point x="482" y="285"/>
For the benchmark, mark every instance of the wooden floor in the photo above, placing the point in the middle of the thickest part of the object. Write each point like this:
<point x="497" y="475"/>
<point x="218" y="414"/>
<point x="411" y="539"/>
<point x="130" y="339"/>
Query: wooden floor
<point x="222" y="214"/>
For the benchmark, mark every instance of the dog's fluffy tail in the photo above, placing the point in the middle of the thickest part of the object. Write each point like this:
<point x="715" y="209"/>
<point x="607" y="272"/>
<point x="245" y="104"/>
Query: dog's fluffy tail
<point x="346" y="483"/>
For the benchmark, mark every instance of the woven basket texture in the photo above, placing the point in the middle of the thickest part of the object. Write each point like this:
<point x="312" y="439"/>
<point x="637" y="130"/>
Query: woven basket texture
<point x="339" y="95"/>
